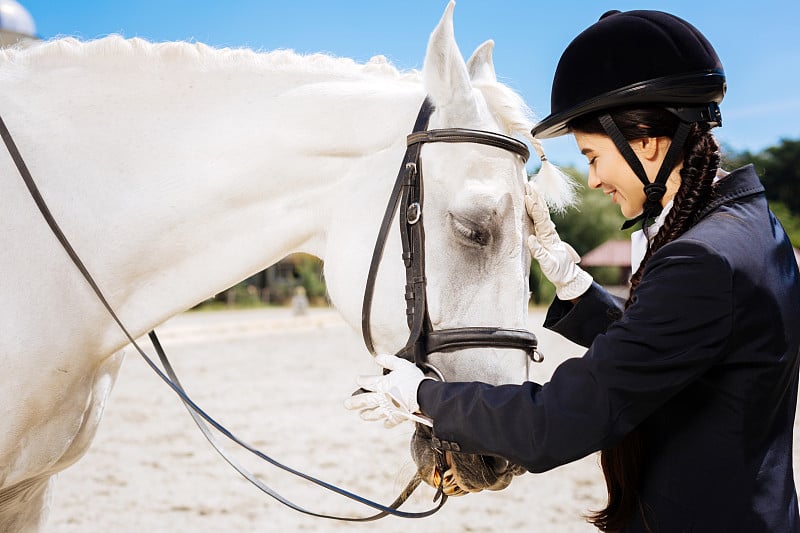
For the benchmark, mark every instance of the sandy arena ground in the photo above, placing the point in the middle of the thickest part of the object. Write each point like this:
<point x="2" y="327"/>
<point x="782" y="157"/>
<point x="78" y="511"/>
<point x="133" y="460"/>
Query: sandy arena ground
<point x="278" y="382"/>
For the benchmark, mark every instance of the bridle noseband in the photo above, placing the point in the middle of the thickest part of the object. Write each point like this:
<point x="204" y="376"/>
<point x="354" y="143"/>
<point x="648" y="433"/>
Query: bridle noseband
<point x="408" y="195"/>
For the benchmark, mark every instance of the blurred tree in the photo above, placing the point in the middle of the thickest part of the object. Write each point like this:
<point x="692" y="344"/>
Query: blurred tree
<point x="790" y="221"/>
<point x="309" y="271"/>
<point x="779" y="169"/>
<point x="592" y="221"/>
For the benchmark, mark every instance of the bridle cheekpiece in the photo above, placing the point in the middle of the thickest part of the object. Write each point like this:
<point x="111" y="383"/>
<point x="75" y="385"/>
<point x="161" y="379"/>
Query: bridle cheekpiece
<point x="408" y="195"/>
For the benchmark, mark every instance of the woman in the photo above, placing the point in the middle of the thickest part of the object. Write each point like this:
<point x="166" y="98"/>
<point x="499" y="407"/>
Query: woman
<point x="689" y="388"/>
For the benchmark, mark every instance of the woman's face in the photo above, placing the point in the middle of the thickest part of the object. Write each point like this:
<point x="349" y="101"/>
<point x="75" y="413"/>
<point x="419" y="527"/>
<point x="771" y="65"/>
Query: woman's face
<point x="609" y="172"/>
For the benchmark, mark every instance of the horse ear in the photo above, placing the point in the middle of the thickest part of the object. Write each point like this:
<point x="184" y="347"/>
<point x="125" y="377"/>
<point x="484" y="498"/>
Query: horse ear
<point x="444" y="71"/>
<point x="480" y="66"/>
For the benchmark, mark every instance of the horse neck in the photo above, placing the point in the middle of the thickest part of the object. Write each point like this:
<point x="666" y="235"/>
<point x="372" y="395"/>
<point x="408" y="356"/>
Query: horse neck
<point x="194" y="176"/>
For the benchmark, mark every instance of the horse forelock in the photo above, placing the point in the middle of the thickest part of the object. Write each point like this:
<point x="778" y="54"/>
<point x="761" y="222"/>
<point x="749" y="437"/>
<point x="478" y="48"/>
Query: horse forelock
<point x="508" y="108"/>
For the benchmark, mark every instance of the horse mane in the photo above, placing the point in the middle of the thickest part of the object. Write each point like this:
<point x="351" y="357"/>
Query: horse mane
<point x="199" y="55"/>
<point x="505" y="104"/>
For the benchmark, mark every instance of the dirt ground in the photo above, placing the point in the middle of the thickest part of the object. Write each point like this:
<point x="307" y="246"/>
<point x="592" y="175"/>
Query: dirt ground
<point x="278" y="382"/>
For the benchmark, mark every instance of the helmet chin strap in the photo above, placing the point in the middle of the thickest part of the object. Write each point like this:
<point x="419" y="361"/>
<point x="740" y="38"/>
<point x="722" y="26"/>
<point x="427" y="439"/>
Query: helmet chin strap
<point x="654" y="191"/>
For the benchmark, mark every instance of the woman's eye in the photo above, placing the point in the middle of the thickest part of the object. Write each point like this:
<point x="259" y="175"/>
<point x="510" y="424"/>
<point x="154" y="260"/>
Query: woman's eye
<point x="592" y="160"/>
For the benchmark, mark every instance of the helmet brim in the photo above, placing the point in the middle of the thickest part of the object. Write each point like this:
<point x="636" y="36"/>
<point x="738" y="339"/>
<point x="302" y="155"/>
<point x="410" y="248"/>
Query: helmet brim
<point x="688" y="90"/>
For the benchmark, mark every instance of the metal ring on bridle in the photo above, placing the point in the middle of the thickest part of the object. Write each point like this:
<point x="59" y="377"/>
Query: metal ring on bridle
<point x="435" y="371"/>
<point x="414" y="213"/>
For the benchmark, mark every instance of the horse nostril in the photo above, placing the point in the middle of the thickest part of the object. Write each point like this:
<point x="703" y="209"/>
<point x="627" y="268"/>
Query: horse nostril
<point x="498" y="465"/>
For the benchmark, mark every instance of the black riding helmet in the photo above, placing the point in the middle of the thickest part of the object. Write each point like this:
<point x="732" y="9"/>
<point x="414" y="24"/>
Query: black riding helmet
<point x="637" y="57"/>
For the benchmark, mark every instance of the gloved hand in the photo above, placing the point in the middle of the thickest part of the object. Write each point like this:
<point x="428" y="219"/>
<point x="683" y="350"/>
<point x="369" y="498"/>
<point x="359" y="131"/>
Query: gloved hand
<point x="557" y="259"/>
<point x="393" y="396"/>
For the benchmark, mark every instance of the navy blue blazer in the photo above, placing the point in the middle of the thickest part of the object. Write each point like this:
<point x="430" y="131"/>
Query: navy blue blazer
<point x="704" y="362"/>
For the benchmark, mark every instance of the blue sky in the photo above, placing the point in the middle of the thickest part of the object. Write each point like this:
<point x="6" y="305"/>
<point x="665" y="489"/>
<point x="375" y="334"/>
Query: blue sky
<point x="758" y="42"/>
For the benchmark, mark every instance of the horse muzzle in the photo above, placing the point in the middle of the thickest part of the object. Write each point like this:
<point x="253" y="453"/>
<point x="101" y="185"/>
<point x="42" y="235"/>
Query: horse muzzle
<point x="459" y="473"/>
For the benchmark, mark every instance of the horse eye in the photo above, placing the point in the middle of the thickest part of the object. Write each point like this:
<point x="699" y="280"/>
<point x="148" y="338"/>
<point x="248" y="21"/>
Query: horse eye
<point x="470" y="232"/>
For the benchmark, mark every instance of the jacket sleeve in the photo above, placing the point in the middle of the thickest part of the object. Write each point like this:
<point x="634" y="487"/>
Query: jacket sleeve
<point x="581" y="322"/>
<point x="675" y="328"/>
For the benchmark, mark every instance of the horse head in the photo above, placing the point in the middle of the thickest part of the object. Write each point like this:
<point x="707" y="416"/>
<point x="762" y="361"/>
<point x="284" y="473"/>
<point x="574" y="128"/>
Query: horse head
<point x="475" y="225"/>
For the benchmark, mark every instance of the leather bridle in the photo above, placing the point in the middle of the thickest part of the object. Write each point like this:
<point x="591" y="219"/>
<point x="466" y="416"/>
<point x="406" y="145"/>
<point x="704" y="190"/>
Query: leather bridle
<point x="408" y="195"/>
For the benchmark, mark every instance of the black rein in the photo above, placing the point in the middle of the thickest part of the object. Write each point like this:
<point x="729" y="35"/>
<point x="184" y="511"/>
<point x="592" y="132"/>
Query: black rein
<point x="198" y="415"/>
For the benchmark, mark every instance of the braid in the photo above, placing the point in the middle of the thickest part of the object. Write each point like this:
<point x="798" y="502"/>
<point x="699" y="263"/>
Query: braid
<point x="622" y="463"/>
<point x="700" y="164"/>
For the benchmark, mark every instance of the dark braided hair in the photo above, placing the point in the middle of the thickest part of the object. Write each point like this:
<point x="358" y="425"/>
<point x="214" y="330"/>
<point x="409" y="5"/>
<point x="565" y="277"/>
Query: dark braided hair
<point x="622" y="463"/>
<point x="700" y="164"/>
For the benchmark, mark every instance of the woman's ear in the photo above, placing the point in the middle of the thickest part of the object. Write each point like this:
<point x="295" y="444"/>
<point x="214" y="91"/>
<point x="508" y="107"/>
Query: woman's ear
<point x="651" y="148"/>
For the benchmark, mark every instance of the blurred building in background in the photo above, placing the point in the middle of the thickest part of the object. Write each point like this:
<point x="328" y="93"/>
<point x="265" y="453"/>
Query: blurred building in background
<point x="16" y="24"/>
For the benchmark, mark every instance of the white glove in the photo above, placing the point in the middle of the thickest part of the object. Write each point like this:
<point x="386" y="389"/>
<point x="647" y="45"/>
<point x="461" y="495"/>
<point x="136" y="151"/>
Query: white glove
<point x="394" y="395"/>
<point x="557" y="259"/>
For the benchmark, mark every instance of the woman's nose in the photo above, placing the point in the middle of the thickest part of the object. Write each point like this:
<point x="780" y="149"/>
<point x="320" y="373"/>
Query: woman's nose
<point x="594" y="182"/>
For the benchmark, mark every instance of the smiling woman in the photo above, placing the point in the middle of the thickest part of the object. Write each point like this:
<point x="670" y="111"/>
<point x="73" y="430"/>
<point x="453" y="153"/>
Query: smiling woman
<point x="650" y="138"/>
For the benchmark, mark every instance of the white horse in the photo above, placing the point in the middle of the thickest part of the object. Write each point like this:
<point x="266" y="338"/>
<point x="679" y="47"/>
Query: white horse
<point x="177" y="170"/>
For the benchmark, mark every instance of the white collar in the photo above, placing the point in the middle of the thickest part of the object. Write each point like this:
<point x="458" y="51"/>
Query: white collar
<point x="639" y="242"/>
